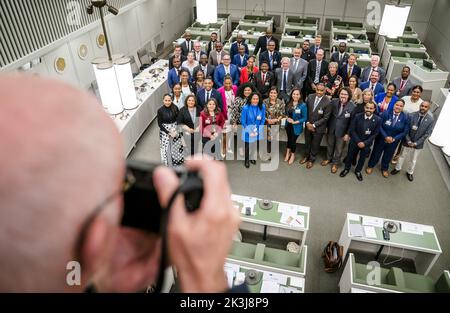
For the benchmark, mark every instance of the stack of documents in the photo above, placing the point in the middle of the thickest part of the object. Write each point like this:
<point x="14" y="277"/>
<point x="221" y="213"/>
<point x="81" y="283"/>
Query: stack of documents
<point x="290" y="216"/>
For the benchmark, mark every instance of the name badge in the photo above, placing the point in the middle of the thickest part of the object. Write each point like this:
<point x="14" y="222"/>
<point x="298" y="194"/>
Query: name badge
<point x="255" y="130"/>
<point x="320" y="111"/>
<point x="297" y="111"/>
<point x="258" y="117"/>
<point x="368" y="132"/>
<point x="388" y="123"/>
<point x="415" y="127"/>
<point x="275" y="62"/>
<point x="208" y="122"/>
<point x="347" y="115"/>
<point x="267" y="83"/>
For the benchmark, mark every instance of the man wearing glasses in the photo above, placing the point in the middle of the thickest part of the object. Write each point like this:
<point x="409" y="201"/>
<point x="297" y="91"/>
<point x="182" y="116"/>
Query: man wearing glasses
<point x="60" y="188"/>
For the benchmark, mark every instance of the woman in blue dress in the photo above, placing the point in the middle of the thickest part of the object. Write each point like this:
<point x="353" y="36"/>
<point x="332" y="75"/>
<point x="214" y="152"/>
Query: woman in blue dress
<point x="253" y="118"/>
<point x="297" y="114"/>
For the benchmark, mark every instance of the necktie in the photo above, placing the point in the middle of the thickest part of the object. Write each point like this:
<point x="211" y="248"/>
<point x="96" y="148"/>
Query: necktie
<point x="341" y="109"/>
<point x="420" y="121"/>
<point x="402" y="84"/>
<point x="317" y="77"/>
<point x="242" y="60"/>
<point x="264" y="77"/>
<point x="372" y="87"/>
<point x="340" y="57"/>
<point x="395" y="119"/>
<point x="207" y="96"/>
<point x="189" y="45"/>
<point x="349" y="73"/>
<point x="271" y="60"/>
<point x="316" y="103"/>
<point x="295" y="65"/>
<point x="284" y="80"/>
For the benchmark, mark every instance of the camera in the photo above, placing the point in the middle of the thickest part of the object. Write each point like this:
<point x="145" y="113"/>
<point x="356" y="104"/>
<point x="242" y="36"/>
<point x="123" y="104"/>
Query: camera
<point x="142" y="209"/>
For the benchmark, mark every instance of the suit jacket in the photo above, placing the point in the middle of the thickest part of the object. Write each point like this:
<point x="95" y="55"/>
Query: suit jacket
<point x="264" y="86"/>
<point x="182" y="58"/>
<point x="210" y="47"/>
<point x="335" y="58"/>
<point x="397" y="131"/>
<point x="366" y="71"/>
<point x="407" y="88"/>
<point x="379" y="99"/>
<point x="252" y="118"/>
<point x="236" y="60"/>
<point x="308" y="56"/>
<point x="290" y="81"/>
<point x="418" y="134"/>
<point x="314" y="49"/>
<point x="343" y="72"/>
<point x="173" y="77"/>
<point x="300" y="72"/>
<point x="339" y="123"/>
<point x="209" y="70"/>
<point x="213" y="57"/>
<point x="219" y="75"/>
<point x="221" y="90"/>
<point x="320" y="116"/>
<point x="261" y="44"/>
<point x="264" y="57"/>
<point x="201" y="53"/>
<point x="312" y="71"/>
<point x="364" y="131"/>
<point x="201" y="97"/>
<point x="184" y="47"/>
<point x="234" y="49"/>
<point x="184" y="117"/>
<point x="378" y="88"/>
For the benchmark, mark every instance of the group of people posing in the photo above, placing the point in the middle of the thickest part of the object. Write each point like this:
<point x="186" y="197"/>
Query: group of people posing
<point x="216" y="94"/>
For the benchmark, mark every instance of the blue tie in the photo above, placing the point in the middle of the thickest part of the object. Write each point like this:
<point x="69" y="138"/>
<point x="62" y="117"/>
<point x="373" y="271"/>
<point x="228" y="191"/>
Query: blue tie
<point x="395" y="119"/>
<point x="284" y="80"/>
<point x="271" y="60"/>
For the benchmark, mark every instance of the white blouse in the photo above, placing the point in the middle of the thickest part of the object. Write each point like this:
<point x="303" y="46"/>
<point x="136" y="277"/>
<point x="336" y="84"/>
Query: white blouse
<point x="410" y="106"/>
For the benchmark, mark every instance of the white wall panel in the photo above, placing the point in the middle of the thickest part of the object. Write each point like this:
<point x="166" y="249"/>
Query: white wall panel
<point x="315" y="6"/>
<point x="69" y="74"/>
<point x="83" y="67"/>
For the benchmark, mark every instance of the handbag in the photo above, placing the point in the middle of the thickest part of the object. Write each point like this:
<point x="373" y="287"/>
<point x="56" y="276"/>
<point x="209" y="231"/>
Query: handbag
<point x="332" y="256"/>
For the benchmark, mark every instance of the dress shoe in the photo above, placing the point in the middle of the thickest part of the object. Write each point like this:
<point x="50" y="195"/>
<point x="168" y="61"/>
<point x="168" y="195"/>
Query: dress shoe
<point x="359" y="176"/>
<point x="369" y="170"/>
<point x="303" y="161"/>
<point x="309" y="165"/>
<point x="325" y="162"/>
<point x="410" y="177"/>
<point x="253" y="162"/>
<point x="395" y="172"/>
<point x="344" y="173"/>
<point x="247" y="164"/>
<point x="334" y="169"/>
<point x="385" y="174"/>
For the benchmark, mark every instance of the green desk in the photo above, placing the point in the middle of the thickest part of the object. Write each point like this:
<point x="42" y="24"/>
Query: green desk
<point x="398" y="59"/>
<point x="296" y="284"/>
<point x="221" y="24"/>
<point x="314" y="22"/>
<point x="353" y="46"/>
<point x="261" y="26"/>
<point x="302" y="30"/>
<point x="423" y="248"/>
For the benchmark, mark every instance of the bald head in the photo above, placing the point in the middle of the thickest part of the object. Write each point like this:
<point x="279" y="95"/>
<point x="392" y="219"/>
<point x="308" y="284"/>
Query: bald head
<point x="61" y="157"/>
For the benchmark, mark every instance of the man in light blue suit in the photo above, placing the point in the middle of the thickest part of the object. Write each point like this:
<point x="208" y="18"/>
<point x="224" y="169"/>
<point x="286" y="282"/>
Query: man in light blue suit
<point x="373" y="84"/>
<point x="226" y="68"/>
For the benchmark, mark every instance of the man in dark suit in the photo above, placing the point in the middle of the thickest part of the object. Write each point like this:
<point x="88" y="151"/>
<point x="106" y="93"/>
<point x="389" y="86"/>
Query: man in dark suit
<point x="234" y="49"/>
<point x="348" y="70"/>
<point x="198" y="51"/>
<point x="338" y="125"/>
<point x="177" y="53"/>
<point x="364" y="127"/>
<point x="285" y="80"/>
<point x="317" y="68"/>
<point x="422" y="124"/>
<point x="319" y="111"/>
<point x="317" y="44"/>
<point x="263" y="41"/>
<point x="207" y="69"/>
<point x="307" y="54"/>
<point x="374" y="66"/>
<point x="264" y="79"/>
<point x="212" y="43"/>
<point x="373" y="84"/>
<point x="173" y="76"/>
<point x="340" y="56"/>
<point x="240" y="59"/>
<point x="208" y="92"/>
<point x="403" y="83"/>
<point x="271" y="56"/>
<point x="188" y="44"/>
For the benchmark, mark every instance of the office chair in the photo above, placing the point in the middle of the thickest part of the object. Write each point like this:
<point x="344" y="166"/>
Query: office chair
<point x="143" y="58"/>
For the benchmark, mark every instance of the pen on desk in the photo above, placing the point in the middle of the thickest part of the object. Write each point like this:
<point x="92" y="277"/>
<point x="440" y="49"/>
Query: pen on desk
<point x="298" y="221"/>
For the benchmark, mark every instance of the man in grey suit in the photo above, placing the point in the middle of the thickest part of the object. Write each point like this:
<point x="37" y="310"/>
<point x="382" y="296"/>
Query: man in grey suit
<point x="374" y="66"/>
<point x="215" y="57"/>
<point x="422" y="124"/>
<point x="404" y="83"/>
<point x="338" y="128"/>
<point x="299" y="67"/>
<point x="285" y="79"/>
<point x="319" y="111"/>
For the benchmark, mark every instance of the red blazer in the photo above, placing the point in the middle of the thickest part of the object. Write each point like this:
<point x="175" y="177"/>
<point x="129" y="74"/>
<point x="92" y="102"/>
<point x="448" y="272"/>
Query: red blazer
<point x="244" y="74"/>
<point x="207" y="123"/>
<point x="221" y="90"/>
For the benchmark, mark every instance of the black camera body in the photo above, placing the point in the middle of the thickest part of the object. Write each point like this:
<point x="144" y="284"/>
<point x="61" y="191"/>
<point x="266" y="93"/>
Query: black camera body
<point x="142" y="209"/>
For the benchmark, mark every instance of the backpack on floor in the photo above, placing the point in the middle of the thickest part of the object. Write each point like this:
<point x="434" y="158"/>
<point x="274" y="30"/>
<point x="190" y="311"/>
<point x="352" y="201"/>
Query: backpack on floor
<point x="332" y="256"/>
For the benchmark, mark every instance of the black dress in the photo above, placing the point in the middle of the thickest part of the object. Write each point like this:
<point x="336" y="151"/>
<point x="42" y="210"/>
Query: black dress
<point x="172" y="152"/>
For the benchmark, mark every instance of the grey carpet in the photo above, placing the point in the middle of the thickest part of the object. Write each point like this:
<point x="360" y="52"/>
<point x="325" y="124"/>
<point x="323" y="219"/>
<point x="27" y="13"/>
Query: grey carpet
<point x="425" y="201"/>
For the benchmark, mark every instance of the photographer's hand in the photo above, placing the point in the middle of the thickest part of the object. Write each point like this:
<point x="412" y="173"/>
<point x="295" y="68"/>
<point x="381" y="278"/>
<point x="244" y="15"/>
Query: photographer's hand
<point x="200" y="241"/>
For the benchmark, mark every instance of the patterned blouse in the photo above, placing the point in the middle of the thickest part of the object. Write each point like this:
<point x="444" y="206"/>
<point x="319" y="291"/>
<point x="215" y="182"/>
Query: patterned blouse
<point x="274" y="111"/>
<point x="236" y="109"/>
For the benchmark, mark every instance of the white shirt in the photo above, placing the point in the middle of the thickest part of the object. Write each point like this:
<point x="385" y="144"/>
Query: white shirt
<point x="410" y="106"/>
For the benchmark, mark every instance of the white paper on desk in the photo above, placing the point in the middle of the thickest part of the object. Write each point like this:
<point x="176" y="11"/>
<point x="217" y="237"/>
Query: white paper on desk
<point x="269" y="287"/>
<point x="293" y="220"/>
<point x="288" y="208"/>
<point x="230" y="277"/>
<point x="356" y="230"/>
<point x="233" y="267"/>
<point x="274" y="277"/>
<point x="411" y="228"/>
<point x="285" y="289"/>
<point x="296" y="282"/>
<point x="372" y="221"/>
<point x="370" y="232"/>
